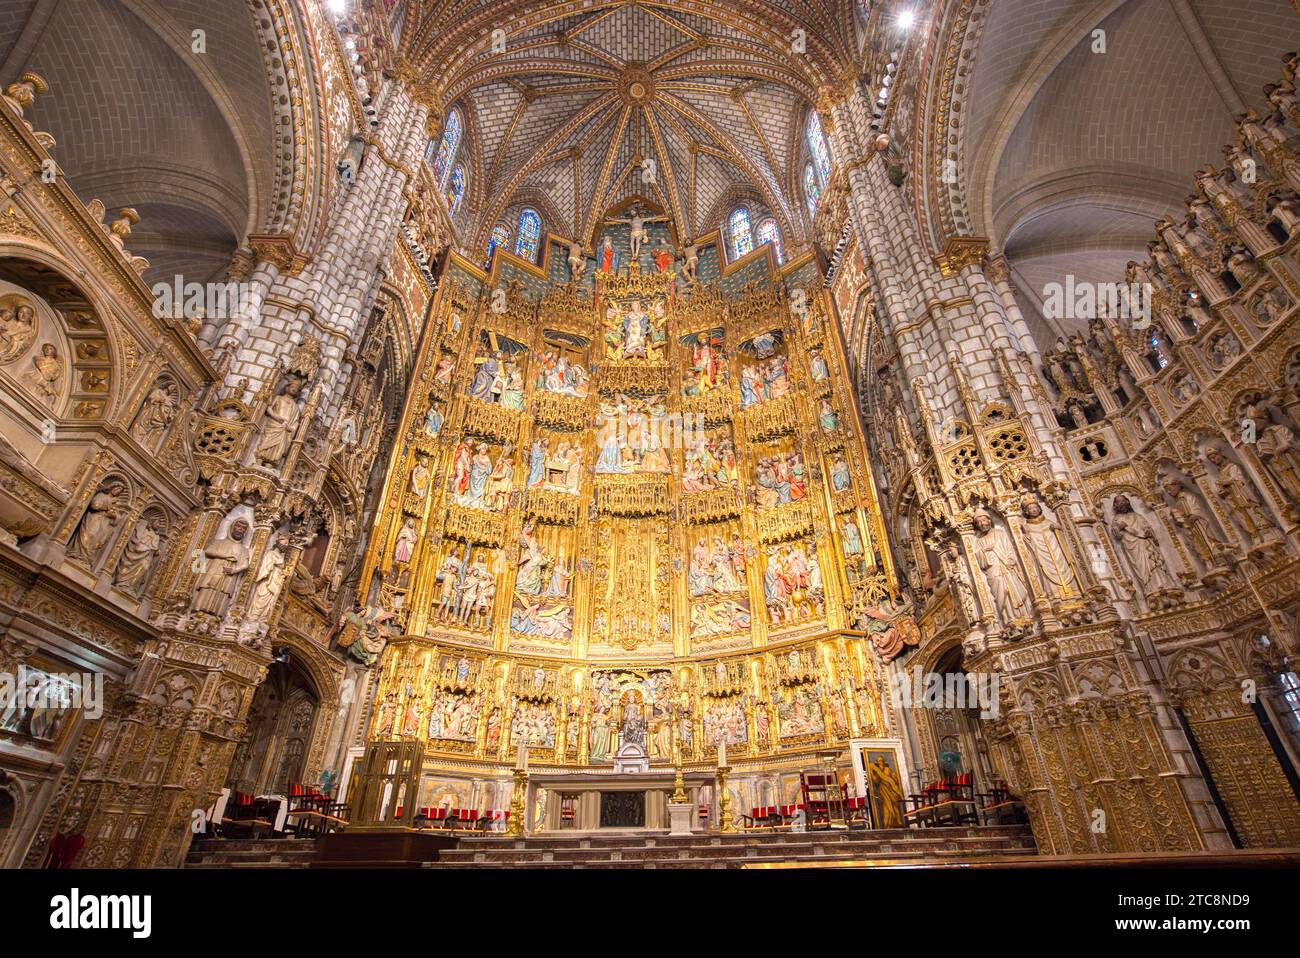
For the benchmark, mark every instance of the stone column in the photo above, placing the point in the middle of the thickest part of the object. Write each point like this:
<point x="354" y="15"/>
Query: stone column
<point x="332" y="292"/>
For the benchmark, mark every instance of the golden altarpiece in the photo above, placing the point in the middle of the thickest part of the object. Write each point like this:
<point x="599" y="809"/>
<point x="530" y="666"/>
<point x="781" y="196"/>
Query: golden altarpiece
<point x="642" y="513"/>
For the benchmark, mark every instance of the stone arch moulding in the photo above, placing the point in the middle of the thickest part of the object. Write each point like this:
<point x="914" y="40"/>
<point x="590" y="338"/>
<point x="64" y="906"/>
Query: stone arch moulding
<point x="94" y="386"/>
<point x="326" y="673"/>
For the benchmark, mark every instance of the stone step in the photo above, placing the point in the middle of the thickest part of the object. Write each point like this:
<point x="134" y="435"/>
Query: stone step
<point x="737" y="850"/>
<point x="251" y="853"/>
<point x="555" y="842"/>
<point x="792" y="848"/>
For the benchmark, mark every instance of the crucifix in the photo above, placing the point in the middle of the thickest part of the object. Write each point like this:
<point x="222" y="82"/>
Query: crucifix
<point x="637" y="221"/>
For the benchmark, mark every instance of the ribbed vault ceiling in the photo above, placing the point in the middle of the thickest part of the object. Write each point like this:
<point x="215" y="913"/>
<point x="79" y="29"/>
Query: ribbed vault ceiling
<point x="590" y="104"/>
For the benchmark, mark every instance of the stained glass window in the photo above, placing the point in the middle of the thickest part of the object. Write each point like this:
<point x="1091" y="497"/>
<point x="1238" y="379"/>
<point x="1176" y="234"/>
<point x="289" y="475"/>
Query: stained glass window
<point x="1291" y="695"/>
<point x="769" y="233"/>
<point x="457" y="191"/>
<point x="742" y="240"/>
<point x="450" y="141"/>
<point x="530" y="233"/>
<point x="817" y="144"/>
<point x="500" y="236"/>
<point x="811" y="189"/>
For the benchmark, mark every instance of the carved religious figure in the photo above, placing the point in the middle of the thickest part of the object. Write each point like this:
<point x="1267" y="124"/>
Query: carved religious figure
<point x="270" y="576"/>
<point x="46" y="375"/>
<point x="1192" y="521"/>
<point x="225" y="559"/>
<point x="18" y="327"/>
<point x="97" y="526"/>
<point x="405" y="544"/>
<point x="1238" y="493"/>
<point x="1280" y="452"/>
<point x="1047" y="549"/>
<point x="156" y="414"/>
<point x="995" y="554"/>
<point x="1136" y="538"/>
<point x="281" y="421"/>
<point x="577" y="262"/>
<point x="690" y="262"/>
<point x="138" y="556"/>
<point x="638" y="233"/>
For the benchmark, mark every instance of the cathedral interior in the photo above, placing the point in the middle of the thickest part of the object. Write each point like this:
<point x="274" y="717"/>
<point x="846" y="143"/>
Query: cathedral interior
<point x="808" y="423"/>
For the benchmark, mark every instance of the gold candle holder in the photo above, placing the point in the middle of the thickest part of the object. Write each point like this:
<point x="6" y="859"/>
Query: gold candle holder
<point x="727" y="826"/>
<point x="518" y="804"/>
<point x="679" y="786"/>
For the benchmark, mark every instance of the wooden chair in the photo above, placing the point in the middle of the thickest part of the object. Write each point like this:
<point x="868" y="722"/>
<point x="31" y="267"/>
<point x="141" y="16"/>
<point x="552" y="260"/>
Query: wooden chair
<point x="920" y="806"/>
<point x="312" y="813"/>
<point x="945" y="803"/>
<point x="248" y="815"/>
<point x="999" y="807"/>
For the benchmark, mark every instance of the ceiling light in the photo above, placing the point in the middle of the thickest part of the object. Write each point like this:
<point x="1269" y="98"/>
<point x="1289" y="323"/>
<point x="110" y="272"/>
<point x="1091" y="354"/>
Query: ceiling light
<point x="906" y="18"/>
<point x="338" y="7"/>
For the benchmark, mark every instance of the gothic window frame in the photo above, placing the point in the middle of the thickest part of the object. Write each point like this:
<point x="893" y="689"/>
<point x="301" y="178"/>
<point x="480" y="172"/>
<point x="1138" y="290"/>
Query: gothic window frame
<point x="499" y="236"/>
<point x="740" y="243"/>
<point x="812" y="190"/>
<point x="453" y="134"/>
<point x="455" y="190"/>
<point x="818" y="148"/>
<point x="531" y="218"/>
<point x="775" y="238"/>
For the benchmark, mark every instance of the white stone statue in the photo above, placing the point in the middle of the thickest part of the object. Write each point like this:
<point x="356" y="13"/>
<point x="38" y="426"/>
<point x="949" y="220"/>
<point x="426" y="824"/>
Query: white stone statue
<point x="1137" y="540"/>
<point x="270" y="576"/>
<point x="1280" y="452"/>
<point x="995" y="554"/>
<point x="156" y="414"/>
<point x="281" y="421"/>
<point x="1238" y="493"/>
<point x="225" y="560"/>
<point x="1043" y="539"/>
<point x="1193" y="523"/>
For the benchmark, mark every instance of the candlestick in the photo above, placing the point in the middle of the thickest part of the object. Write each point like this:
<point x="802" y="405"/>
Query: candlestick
<point x="521" y="761"/>
<point x="722" y="754"/>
